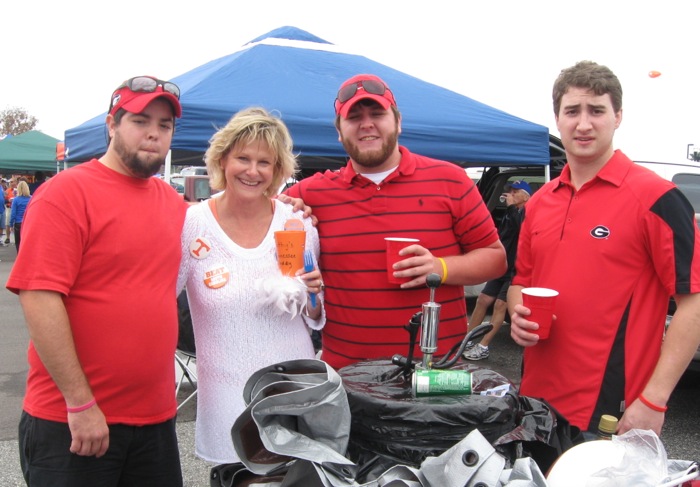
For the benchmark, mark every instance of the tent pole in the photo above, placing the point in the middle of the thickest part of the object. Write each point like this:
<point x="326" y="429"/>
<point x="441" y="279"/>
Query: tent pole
<point x="166" y="171"/>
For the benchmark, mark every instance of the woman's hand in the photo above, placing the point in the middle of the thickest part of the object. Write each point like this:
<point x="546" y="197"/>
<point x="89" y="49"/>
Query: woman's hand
<point x="314" y="285"/>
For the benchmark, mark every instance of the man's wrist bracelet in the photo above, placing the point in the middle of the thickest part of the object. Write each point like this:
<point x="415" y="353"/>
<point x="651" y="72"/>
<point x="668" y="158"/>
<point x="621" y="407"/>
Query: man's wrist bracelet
<point x="651" y="405"/>
<point x="80" y="409"/>
<point x="444" y="270"/>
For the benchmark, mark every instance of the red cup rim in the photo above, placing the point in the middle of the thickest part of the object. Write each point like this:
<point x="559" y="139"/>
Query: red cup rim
<point x="540" y="292"/>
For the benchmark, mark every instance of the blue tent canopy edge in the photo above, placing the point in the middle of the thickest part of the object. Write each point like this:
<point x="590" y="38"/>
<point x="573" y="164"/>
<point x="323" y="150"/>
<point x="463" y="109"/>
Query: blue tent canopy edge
<point x="296" y="75"/>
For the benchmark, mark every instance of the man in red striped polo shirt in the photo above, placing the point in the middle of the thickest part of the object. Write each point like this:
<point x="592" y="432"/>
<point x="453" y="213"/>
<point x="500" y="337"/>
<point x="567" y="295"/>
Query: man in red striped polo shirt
<point x="387" y="191"/>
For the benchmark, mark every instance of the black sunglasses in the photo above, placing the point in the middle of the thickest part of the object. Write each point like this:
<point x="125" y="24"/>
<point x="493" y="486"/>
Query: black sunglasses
<point x="148" y="84"/>
<point x="369" y="85"/>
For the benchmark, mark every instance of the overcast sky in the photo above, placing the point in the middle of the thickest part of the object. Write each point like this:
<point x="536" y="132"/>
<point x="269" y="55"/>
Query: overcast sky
<point x="62" y="59"/>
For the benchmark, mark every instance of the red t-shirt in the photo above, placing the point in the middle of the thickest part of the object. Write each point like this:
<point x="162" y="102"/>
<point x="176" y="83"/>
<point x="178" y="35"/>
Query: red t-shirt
<point x="110" y="244"/>
<point x="427" y="199"/>
<point x="616" y="250"/>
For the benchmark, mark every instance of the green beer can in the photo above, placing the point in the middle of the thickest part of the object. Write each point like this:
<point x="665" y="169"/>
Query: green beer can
<point x="436" y="382"/>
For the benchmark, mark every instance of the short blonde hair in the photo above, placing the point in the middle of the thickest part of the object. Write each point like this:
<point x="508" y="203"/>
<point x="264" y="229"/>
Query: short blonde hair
<point x="251" y="125"/>
<point x="22" y="189"/>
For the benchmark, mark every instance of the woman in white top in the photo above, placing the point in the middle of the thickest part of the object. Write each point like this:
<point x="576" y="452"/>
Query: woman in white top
<point x="246" y="315"/>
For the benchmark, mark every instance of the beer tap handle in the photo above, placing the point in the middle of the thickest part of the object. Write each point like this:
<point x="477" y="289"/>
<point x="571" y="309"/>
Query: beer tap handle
<point x="433" y="282"/>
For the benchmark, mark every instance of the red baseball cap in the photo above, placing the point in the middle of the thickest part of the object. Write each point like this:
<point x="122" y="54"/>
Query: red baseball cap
<point x="137" y="101"/>
<point x="361" y="87"/>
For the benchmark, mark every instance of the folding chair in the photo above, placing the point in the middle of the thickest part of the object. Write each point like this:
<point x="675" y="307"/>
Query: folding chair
<point x="186" y="352"/>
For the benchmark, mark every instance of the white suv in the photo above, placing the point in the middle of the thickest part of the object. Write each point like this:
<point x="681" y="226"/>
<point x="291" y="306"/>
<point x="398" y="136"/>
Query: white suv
<point x="194" y="171"/>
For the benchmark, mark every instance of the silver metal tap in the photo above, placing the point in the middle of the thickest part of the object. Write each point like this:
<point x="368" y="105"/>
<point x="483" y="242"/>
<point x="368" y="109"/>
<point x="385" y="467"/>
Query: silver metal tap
<point x="430" y="322"/>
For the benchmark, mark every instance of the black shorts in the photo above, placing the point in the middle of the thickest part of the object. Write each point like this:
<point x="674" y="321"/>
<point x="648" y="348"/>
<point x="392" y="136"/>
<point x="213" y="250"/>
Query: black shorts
<point x="138" y="456"/>
<point x="498" y="288"/>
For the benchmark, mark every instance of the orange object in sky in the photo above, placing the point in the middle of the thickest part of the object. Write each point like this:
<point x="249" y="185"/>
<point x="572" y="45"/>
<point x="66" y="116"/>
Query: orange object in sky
<point x="654" y="74"/>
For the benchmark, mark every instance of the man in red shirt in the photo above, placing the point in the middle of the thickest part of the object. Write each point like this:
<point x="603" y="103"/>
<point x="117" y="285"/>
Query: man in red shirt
<point x="617" y="242"/>
<point x="387" y="191"/>
<point x="99" y="303"/>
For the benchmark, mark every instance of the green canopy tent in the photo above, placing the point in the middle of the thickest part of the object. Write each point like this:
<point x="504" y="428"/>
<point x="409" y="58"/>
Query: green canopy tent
<point x="30" y="151"/>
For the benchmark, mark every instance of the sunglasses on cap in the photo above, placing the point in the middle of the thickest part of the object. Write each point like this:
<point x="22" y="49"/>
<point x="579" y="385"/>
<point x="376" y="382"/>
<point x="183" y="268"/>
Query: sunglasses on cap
<point x="149" y="84"/>
<point x="369" y="85"/>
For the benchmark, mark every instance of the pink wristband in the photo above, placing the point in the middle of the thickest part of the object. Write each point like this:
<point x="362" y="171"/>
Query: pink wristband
<point x="80" y="409"/>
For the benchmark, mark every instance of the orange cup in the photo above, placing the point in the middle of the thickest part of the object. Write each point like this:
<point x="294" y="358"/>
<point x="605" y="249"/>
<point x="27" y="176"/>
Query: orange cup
<point x="290" y="250"/>
<point x="393" y="245"/>
<point x="541" y="302"/>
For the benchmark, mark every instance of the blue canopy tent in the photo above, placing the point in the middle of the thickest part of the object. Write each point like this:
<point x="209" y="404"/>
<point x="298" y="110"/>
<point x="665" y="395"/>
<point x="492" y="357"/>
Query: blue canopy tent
<point x="297" y="75"/>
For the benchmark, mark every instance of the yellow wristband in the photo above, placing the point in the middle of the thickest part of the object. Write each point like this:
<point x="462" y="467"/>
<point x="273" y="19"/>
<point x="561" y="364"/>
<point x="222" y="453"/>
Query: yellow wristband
<point x="444" y="270"/>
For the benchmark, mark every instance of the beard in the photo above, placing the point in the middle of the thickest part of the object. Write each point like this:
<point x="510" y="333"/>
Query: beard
<point x="374" y="158"/>
<point x="139" y="167"/>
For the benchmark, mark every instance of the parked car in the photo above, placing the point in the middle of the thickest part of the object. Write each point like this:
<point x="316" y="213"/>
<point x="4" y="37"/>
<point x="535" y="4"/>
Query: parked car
<point x="194" y="171"/>
<point x="492" y="185"/>
<point x="197" y="188"/>
<point x="177" y="181"/>
<point x="493" y="182"/>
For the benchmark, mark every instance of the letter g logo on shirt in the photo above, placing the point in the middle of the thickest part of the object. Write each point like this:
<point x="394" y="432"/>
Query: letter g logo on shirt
<point x="600" y="232"/>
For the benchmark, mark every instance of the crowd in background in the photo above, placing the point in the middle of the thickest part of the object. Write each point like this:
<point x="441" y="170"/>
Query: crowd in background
<point x="17" y="191"/>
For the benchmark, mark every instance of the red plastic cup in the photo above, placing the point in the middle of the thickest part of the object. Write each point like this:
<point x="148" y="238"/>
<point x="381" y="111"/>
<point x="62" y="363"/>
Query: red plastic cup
<point x="541" y="302"/>
<point x="393" y="245"/>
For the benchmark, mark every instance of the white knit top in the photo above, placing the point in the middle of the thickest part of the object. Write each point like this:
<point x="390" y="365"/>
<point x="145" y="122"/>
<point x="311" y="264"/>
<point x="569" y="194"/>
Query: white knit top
<point x="235" y="333"/>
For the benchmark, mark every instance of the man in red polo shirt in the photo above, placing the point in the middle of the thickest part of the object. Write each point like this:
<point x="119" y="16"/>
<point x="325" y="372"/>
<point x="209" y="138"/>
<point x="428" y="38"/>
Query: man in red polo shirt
<point x="387" y="191"/>
<point x="617" y="242"/>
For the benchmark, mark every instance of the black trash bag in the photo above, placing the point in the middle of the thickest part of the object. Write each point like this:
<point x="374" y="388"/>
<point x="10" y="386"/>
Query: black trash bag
<point x="542" y="433"/>
<point x="298" y="431"/>
<point x="390" y="426"/>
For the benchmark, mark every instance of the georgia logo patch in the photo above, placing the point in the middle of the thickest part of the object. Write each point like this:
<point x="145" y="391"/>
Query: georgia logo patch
<point x="600" y="232"/>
